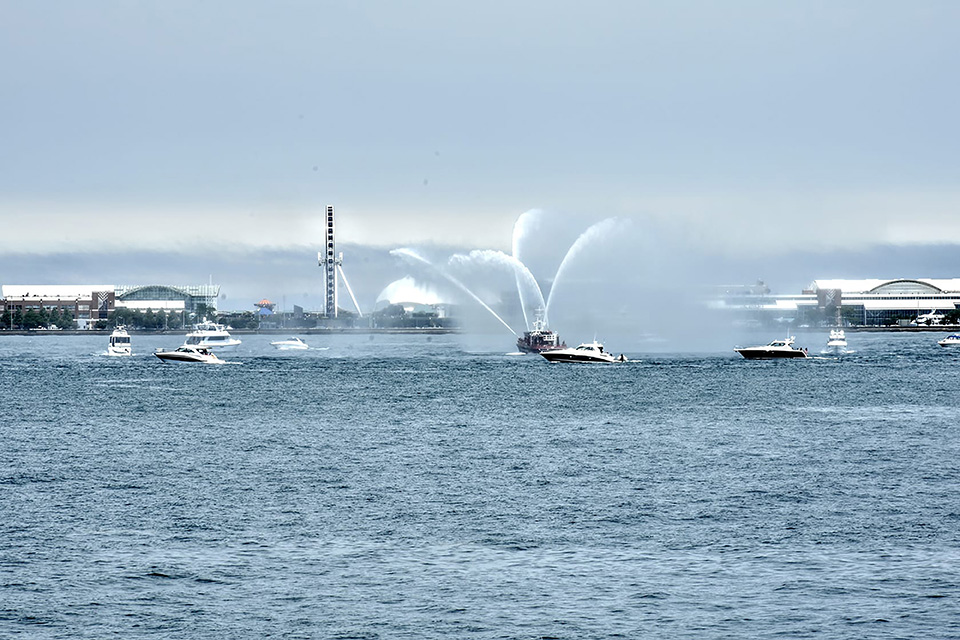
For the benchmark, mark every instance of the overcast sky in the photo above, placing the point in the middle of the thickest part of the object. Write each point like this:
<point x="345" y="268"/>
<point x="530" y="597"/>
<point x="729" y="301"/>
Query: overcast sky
<point x="166" y="124"/>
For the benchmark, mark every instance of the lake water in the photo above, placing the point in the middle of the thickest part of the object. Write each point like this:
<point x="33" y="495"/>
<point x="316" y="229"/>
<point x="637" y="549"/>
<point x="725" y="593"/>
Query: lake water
<point x="406" y="487"/>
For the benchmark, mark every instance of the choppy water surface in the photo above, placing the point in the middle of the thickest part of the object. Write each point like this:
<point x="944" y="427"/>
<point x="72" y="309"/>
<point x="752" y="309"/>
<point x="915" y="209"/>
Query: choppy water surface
<point x="403" y="488"/>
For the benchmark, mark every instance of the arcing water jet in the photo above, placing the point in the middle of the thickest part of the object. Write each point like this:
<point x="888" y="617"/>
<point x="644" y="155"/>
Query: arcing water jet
<point x="525" y="222"/>
<point x="410" y="253"/>
<point x="593" y="233"/>
<point x="527" y="285"/>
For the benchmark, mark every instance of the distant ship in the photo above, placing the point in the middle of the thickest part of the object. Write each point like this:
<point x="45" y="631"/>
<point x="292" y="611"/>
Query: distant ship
<point x="210" y="335"/>
<point x="837" y="339"/>
<point x="119" y="343"/>
<point x="540" y="339"/>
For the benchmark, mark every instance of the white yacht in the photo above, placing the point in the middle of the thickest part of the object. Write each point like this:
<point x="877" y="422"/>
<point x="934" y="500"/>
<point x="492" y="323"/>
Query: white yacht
<point x="120" y="343"/>
<point x="837" y="339"/>
<point x="290" y="343"/>
<point x="952" y="340"/>
<point x="188" y="353"/>
<point x="211" y="335"/>
<point x="586" y="352"/>
<point x="777" y="349"/>
<point x="926" y="319"/>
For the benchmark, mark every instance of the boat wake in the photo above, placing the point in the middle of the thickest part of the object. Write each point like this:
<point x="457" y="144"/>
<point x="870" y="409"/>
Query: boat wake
<point x="834" y="353"/>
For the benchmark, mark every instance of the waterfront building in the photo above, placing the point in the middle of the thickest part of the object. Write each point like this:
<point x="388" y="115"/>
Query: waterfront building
<point x="166" y="297"/>
<point x="90" y="303"/>
<point x="867" y="302"/>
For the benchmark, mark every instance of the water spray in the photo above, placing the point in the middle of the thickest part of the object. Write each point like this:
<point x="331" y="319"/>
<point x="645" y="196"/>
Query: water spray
<point x="521" y="228"/>
<point x="526" y="283"/>
<point x="594" y="232"/>
<point x="410" y="253"/>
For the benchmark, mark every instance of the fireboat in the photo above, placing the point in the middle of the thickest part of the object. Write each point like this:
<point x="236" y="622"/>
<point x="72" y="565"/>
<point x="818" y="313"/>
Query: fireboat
<point x="540" y="339"/>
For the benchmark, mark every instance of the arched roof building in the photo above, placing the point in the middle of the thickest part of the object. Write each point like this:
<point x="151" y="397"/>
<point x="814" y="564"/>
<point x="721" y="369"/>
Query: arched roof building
<point x="873" y="301"/>
<point x="95" y="301"/>
<point x="166" y="296"/>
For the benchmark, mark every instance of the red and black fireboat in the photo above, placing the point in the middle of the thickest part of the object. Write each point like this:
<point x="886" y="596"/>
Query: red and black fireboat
<point x="540" y="339"/>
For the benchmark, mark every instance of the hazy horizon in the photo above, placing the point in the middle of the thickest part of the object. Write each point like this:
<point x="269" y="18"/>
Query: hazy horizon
<point x="179" y="125"/>
<point x="175" y="142"/>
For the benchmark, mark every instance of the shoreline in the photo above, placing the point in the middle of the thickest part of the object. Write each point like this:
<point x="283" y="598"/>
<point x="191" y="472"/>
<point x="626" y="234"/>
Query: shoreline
<point x="411" y="331"/>
<point x="266" y="332"/>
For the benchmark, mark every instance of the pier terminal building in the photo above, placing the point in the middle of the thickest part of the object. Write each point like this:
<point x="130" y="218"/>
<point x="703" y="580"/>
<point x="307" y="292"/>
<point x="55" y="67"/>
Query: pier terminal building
<point x="868" y="302"/>
<point x="92" y="302"/>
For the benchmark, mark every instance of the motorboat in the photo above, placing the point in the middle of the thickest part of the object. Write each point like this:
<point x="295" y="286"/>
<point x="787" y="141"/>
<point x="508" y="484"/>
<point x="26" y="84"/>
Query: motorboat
<point x="119" y="343"/>
<point x="188" y="353"/>
<point x="777" y="349"/>
<point x="290" y="343"/>
<point x="540" y="339"/>
<point x="837" y="339"/>
<point x="211" y="335"/>
<point x="927" y="319"/>
<point x="952" y="340"/>
<point x="586" y="352"/>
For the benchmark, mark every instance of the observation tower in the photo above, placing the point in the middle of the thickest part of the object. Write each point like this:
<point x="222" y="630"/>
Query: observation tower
<point x="332" y="264"/>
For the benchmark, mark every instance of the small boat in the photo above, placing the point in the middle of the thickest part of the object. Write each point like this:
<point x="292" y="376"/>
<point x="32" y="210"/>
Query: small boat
<point x="952" y="340"/>
<point x="290" y="343"/>
<point x="211" y="335"/>
<point x="120" y="343"/>
<point x="926" y="319"/>
<point x="586" y="352"/>
<point x="188" y="353"/>
<point x="837" y="339"/>
<point x="776" y="349"/>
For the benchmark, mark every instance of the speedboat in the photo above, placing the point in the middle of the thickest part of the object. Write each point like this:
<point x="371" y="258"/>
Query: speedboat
<point x="952" y="340"/>
<point x="837" y="339"/>
<point x="188" y="353"/>
<point x="292" y="342"/>
<point x="776" y="349"/>
<point x="211" y="335"/>
<point x="119" y="343"/>
<point x="586" y="352"/>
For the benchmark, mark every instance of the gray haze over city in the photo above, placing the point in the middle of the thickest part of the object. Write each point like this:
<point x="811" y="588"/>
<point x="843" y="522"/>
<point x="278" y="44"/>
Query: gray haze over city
<point x="178" y="142"/>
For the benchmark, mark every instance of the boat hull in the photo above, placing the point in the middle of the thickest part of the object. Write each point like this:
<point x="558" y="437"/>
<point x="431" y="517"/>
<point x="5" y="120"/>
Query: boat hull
<point x="525" y="348"/>
<point x="564" y="356"/>
<point x="181" y="356"/>
<point x="759" y="353"/>
<point x="219" y="345"/>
